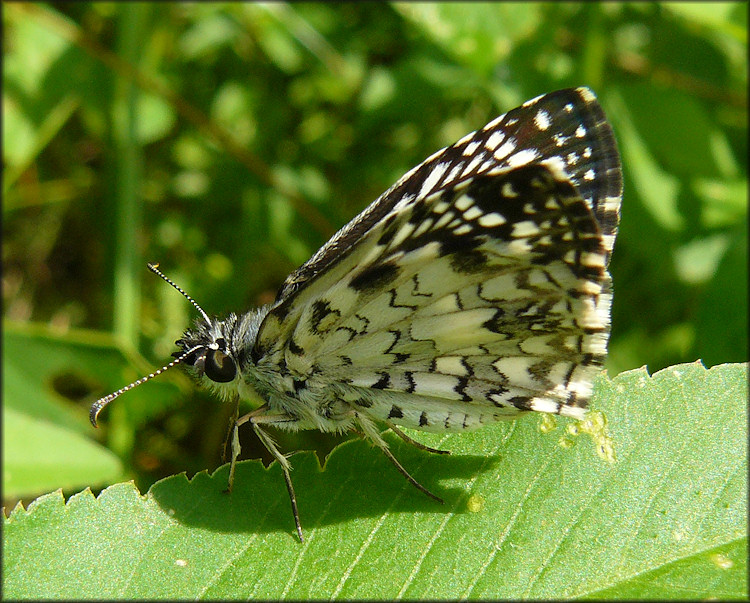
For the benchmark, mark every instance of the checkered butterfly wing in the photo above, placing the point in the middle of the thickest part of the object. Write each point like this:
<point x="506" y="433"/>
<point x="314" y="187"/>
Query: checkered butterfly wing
<point x="478" y="282"/>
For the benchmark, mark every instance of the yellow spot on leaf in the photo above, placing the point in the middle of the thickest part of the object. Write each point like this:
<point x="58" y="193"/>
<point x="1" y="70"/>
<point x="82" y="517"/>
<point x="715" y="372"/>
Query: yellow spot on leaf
<point x="475" y="503"/>
<point x="722" y="561"/>
<point x="548" y="423"/>
<point x="595" y="424"/>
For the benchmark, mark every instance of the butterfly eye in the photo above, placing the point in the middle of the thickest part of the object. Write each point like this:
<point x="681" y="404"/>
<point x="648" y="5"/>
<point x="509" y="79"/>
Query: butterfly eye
<point x="219" y="367"/>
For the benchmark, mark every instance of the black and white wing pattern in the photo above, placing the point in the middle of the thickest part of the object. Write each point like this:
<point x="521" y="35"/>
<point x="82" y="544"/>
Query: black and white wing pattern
<point x="473" y="289"/>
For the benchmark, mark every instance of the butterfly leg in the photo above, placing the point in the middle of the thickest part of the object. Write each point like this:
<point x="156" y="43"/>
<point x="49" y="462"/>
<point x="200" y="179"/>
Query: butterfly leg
<point x="371" y="432"/>
<point x="414" y="443"/>
<point x="256" y="418"/>
<point x="230" y="431"/>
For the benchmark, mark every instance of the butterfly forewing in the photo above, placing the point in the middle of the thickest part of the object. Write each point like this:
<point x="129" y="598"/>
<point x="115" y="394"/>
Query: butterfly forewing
<point x="476" y="286"/>
<point x="566" y="128"/>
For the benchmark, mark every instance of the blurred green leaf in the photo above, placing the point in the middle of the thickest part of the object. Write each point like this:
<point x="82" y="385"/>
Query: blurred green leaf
<point x="155" y="118"/>
<point x="657" y="188"/>
<point x="47" y="390"/>
<point x="722" y="314"/>
<point x="676" y="129"/>
<point x="39" y="456"/>
<point x="479" y="35"/>
<point x="716" y="15"/>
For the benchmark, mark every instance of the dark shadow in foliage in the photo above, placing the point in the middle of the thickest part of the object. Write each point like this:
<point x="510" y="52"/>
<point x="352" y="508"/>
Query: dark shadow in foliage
<point x="358" y="481"/>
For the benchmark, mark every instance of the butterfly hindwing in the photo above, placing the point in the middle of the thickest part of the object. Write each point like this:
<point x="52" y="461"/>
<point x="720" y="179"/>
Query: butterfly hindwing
<point x="498" y="317"/>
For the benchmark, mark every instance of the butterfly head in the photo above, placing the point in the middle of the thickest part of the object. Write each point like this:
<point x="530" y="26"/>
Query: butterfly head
<point x="213" y="350"/>
<point x="218" y="352"/>
<point x="208" y="351"/>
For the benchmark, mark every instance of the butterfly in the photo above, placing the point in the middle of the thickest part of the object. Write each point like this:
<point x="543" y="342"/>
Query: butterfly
<point x="474" y="290"/>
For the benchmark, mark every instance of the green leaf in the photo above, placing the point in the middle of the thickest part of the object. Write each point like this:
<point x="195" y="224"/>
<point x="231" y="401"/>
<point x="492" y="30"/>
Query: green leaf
<point x="525" y="516"/>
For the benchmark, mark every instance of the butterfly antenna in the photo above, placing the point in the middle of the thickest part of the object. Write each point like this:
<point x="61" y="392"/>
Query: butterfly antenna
<point x="97" y="406"/>
<point x="155" y="269"/>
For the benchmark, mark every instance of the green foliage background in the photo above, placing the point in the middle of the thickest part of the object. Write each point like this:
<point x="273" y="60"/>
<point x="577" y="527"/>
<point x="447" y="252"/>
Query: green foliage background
<point x="228" y="141"/>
